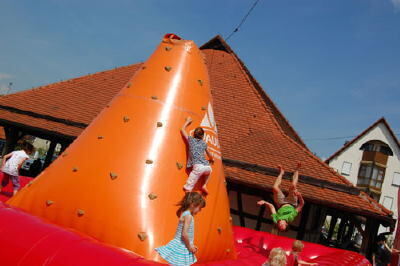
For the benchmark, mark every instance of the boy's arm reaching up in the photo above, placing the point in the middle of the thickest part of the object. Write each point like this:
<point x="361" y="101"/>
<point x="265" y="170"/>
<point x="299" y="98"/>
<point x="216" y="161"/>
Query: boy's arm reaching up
<point x="210" y="157"/>
<point x="301" y="202"/>
<point x="183" y="129"/>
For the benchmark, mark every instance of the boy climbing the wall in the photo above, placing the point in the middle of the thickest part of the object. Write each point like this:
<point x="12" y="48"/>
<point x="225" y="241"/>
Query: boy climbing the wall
<point x="288" y="206"/>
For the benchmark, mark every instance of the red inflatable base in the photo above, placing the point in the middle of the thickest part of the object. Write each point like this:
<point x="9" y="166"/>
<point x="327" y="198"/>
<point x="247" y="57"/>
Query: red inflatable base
<point x="28" y="240"/>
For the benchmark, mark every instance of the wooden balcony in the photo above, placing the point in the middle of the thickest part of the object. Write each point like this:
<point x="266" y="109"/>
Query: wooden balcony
<point x="375" y="156"/>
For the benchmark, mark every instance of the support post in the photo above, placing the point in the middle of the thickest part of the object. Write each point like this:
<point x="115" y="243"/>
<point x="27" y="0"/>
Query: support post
<point x="240" y="209"/>
<point x="303" y="222"/>
<point x="332" y="225"/>
<point x="50" y="153"/>
<point x="12" y="137"/>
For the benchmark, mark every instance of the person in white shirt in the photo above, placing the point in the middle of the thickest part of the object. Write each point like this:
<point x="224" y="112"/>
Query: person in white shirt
<point x="12" y="162"/>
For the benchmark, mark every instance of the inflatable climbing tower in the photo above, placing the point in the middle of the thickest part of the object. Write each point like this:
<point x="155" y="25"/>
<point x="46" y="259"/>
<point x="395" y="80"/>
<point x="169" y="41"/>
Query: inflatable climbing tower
<point x="120" y="179"/>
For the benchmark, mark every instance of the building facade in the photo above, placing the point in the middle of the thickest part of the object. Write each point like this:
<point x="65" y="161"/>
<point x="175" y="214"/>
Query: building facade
<point x="371" y="161"/>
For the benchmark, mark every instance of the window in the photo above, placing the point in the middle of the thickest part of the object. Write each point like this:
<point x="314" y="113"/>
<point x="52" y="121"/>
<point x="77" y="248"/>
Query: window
<point x="364" y="174"/>
<point x="346" y="168"/>
<point x="371" y="176"/>
<point x="387" y="202"/>
<point x="396" y="179"/>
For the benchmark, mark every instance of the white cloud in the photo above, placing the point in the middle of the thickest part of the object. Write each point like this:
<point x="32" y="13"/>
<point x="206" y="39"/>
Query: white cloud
<point x="5" y="76"/>
<point x="396" y="4"/>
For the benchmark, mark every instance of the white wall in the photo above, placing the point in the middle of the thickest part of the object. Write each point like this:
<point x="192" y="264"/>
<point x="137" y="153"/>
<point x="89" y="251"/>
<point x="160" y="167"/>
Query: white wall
<point x="353" y="154"/>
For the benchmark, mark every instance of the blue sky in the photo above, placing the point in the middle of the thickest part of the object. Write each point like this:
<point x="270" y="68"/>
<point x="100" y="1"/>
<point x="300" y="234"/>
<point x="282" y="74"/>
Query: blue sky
<point x="332" y="67"/>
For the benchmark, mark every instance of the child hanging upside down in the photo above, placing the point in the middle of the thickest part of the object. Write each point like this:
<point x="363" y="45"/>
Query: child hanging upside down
<point x="288" y="206"/>
<point x="200" y="166"/>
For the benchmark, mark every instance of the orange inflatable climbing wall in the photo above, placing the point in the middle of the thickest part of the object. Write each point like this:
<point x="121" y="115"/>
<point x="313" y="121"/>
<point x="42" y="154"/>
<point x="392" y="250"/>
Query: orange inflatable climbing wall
<point x="120" y="179"/>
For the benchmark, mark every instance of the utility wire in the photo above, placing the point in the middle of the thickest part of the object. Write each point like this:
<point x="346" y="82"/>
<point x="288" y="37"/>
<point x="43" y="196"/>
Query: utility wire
<point x="337" y="138"/>
<point x="243" y="20"/>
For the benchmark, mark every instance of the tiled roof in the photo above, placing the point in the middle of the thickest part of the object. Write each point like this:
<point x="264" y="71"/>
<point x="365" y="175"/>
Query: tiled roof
<point x="348" y="144"/>
<point x="65" y="107"/>
<point x="251" y="127"/>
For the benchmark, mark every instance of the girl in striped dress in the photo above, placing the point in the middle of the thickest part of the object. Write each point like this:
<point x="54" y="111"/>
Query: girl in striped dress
<point x="181" y="250"/>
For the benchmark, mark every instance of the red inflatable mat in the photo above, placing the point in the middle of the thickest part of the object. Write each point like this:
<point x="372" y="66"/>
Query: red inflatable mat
<point x="28" y="240"/>
<point x="253" y="248"/>
<point x="6" y="192"/>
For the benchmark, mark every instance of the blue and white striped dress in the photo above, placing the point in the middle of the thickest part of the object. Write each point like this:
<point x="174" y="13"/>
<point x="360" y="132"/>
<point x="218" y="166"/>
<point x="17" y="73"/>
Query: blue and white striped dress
<point x="176" y="252"/>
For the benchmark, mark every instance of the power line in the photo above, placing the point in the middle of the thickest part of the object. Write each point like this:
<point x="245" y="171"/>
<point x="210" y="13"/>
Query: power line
<point x="337" y="138"/>
<point x="243" y="20"/>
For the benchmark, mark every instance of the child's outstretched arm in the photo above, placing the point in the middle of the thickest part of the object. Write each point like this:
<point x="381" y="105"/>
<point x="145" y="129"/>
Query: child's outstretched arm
<point x="210" y="156"/>
<point x="301" y="202"/>
<point x="21" y="163"/>
<point x="185" y="236"/>
<point x="270" y="205"/>
<point x="185" y="125"/>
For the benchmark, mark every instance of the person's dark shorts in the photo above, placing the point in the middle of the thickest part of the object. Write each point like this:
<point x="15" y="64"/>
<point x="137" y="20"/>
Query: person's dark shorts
<point x="14" y="180"/>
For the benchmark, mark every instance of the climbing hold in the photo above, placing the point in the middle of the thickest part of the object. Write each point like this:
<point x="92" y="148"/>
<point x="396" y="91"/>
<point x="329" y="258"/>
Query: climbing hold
<point x="159" y="124"/>
<point x="74" y="169"/>
<point x="143" y="67"/>
<point x="200" y="82"/>
<point x="126" y="119"/>
<point x="142" y="236"/>
<point x="149" y="161"/>
<point x="100" y="137"/>
<point x="230" y="218"/>
<point x="179" y="165"/>
<point x="152" y="196"/>
<point x="113" y="176"/>
<point x="129" y="85"/>
<point x="219" y="229"/>
<point x="168" y="68"/>
<point x="203" y="108"/>
<point x="64" y="154"/>
<point x="154" y="97"/>
<point x="30" y="183"/>
<point x="49" y="202"/>
<point x="228" y="250"/>
<point x="80" y="212"/>
<point x="168" y="48"/>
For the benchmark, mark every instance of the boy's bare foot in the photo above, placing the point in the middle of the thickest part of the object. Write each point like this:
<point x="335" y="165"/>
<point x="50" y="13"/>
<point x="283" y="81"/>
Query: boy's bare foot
<point x="204" y="190"/>
<point x="280" y="168"/>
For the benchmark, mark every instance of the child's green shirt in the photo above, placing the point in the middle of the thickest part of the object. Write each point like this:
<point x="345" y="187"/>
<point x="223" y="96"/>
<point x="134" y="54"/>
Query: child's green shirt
<point x="287" y="213"/>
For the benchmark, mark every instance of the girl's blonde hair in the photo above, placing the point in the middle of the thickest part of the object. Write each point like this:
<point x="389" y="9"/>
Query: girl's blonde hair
<point x="190" y="198"/>
<point x="277" y="257"/>
<point x="297" y="246"/>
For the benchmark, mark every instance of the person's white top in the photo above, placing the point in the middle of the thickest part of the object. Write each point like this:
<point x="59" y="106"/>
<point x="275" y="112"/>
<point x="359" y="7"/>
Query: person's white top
<point x="11" y="166"/>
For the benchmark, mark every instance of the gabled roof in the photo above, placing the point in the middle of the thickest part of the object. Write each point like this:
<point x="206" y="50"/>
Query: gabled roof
<point x="251" y="128"/>
<point x="362" y="134"/>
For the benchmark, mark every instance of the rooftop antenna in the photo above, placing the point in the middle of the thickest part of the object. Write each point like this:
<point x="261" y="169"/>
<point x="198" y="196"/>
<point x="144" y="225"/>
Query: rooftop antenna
<point x="9" y="88"/>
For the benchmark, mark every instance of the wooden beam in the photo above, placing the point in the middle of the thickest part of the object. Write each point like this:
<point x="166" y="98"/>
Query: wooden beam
<point x="45" y="117"/>
<point x="303" y="222"/>
<point x="50" y="153"/>
<point x="260" y="217"/>
<point x="332" y="225"/>
<point x="240" y="209"/>
<point x="318" y="182"/>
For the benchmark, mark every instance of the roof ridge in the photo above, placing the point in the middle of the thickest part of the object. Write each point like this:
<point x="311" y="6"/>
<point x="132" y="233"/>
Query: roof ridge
<point x="65" y="81"/>
<point x="348" y="144"/>
<point x="253" y="82"/>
